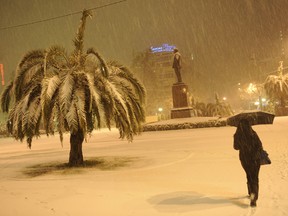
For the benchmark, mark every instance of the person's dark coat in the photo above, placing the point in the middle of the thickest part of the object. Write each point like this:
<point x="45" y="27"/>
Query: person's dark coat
<point x="249" y="145"/>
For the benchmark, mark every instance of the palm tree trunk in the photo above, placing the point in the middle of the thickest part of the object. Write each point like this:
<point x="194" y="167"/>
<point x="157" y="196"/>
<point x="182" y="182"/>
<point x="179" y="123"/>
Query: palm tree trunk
<point x="76" y="155"/>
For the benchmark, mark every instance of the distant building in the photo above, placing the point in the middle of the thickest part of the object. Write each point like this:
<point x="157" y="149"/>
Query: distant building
<point x="154" y="68"/>
<point x="162" y="58"/>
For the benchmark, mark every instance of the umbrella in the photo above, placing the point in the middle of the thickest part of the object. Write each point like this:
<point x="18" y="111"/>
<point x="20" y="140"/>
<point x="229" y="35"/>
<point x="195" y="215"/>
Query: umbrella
<point x="255" y="117"/>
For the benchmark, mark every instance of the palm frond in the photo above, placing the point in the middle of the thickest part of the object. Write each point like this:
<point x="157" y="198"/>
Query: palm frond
<point x="31" y="55"/>
<point x="66" y="91"/>
<point x="81" y="112"/>
<point x="56" y="59"/>
<point x="24" y="113"/>
<point x="137" y="109"/>
<point x="50" y="86"/>
<point x="28" y="72"/>
<point x="102" y="64"/>
<point x="124" y="73"/>
<point x="10" y="122"/>
<point x="129" y="114"/>
<point x="49" y="101"/>
<point x="93" y="105"/>
<point x="103" y="106"/>
<point x="72" y="118"/>
<point x="24" y="118"/>
<point x="6" y="97"/>
<point x="31" y="118"/>
<point x="120" y="112"/>
<point x="60" y="121"/>
<point x="276" y="86"/>
<point x="133" y="102"/>
<point x="15" y="119"/>
<point x="36" y="110"/>
<point x="79" y="40"/>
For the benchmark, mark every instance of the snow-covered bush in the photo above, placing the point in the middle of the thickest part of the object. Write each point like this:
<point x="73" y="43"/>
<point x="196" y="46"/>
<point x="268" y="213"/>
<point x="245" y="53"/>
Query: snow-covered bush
<point x="185" y="125"/>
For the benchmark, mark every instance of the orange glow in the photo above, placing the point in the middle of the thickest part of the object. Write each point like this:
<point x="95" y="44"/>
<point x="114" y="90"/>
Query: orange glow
<point x="2" y="74"/>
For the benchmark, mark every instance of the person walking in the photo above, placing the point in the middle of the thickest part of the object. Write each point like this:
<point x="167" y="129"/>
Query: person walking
<point x="177" y="64"/>
<point x="250" y="146"/>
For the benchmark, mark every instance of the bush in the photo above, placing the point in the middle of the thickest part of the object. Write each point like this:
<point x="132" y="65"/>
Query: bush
<point x="185" y="125"/>
<point x="3" y="130"/>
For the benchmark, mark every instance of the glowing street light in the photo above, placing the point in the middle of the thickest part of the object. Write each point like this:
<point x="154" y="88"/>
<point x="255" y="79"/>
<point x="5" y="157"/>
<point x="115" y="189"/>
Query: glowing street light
<point x="160" y="115"/>
<point x="251" y="88"/>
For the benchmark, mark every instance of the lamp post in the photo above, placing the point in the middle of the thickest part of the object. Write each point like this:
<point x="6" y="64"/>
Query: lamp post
<point x="255" y="88"/>
<point x="160" y="110"/>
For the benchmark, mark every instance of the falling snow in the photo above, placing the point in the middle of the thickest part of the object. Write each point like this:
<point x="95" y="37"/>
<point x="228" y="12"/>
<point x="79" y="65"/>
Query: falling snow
<point x="231" y="41"/>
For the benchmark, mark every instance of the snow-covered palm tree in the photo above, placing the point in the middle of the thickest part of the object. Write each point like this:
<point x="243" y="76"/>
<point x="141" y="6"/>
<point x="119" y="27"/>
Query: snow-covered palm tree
<point x="220" y="108"/>
<point x="276" y="86"/>
<point x="73" y="93"/>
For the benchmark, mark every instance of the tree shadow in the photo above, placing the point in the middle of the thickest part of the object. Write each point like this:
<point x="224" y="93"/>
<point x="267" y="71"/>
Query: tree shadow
<point x="97" y="163"/>
<point x="184" y="201"/>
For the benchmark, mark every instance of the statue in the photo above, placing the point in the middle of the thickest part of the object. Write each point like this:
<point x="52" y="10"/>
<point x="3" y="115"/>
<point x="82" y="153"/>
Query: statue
<point x="177" y="65"/>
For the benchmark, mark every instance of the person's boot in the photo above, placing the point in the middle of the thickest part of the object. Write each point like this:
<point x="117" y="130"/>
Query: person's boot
<point x="253" y="200"/>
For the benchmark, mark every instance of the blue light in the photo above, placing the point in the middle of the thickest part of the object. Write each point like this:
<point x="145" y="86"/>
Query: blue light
<point x="163" y="48"/>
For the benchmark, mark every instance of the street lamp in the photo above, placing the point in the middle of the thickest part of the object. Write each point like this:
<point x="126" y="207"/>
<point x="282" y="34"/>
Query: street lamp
<point x="251" y="89"/>
<point x="160" y="110"/>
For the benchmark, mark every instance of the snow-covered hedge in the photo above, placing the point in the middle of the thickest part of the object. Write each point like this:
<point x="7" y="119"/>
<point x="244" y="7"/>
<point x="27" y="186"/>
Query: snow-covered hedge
<point x="186" y="125"/>
<point x="3" y="130"/>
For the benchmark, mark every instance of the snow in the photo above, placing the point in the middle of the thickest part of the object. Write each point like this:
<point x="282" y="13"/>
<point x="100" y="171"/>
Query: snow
<point x="185" y="120"/>
<point x="176" y="172"/>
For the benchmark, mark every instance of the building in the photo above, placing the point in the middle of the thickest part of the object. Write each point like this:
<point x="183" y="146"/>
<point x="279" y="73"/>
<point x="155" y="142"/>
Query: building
<point x="154" y="69"/>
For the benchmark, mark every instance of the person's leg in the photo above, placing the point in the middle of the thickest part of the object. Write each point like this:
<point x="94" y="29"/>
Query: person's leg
<point x="254" y="173"/>
<point x="248" y="187"/>
<point x="248" y="177"/>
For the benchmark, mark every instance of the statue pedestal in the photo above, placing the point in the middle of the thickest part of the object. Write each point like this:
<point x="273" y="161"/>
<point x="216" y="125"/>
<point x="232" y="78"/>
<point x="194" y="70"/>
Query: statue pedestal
<point x="180" y="101"/>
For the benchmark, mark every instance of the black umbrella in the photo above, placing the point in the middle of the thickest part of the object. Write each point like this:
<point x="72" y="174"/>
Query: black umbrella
<point x="255" y="117"/>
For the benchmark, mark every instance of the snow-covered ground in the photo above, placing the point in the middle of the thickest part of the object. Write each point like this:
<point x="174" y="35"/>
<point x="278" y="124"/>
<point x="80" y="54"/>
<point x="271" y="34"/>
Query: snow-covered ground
<point x="181" y="172"/>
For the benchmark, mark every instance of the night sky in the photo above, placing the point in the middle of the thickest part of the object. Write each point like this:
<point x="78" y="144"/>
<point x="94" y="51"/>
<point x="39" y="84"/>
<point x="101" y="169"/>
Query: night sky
<point x="222" y="35"/>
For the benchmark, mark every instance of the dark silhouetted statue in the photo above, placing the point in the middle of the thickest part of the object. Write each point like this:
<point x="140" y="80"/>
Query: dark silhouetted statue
<point x="177" y="61"/>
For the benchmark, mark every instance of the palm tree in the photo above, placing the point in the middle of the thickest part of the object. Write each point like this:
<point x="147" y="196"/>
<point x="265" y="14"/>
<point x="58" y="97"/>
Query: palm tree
<point x="276" y="86"/>
<point x="73" y="93"/>
<point x="220" y="108"/>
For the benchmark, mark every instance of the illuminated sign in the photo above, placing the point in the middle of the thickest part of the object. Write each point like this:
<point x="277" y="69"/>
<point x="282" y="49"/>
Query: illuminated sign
<point x="2" y="73"/>
<point x="163" y="48"/>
